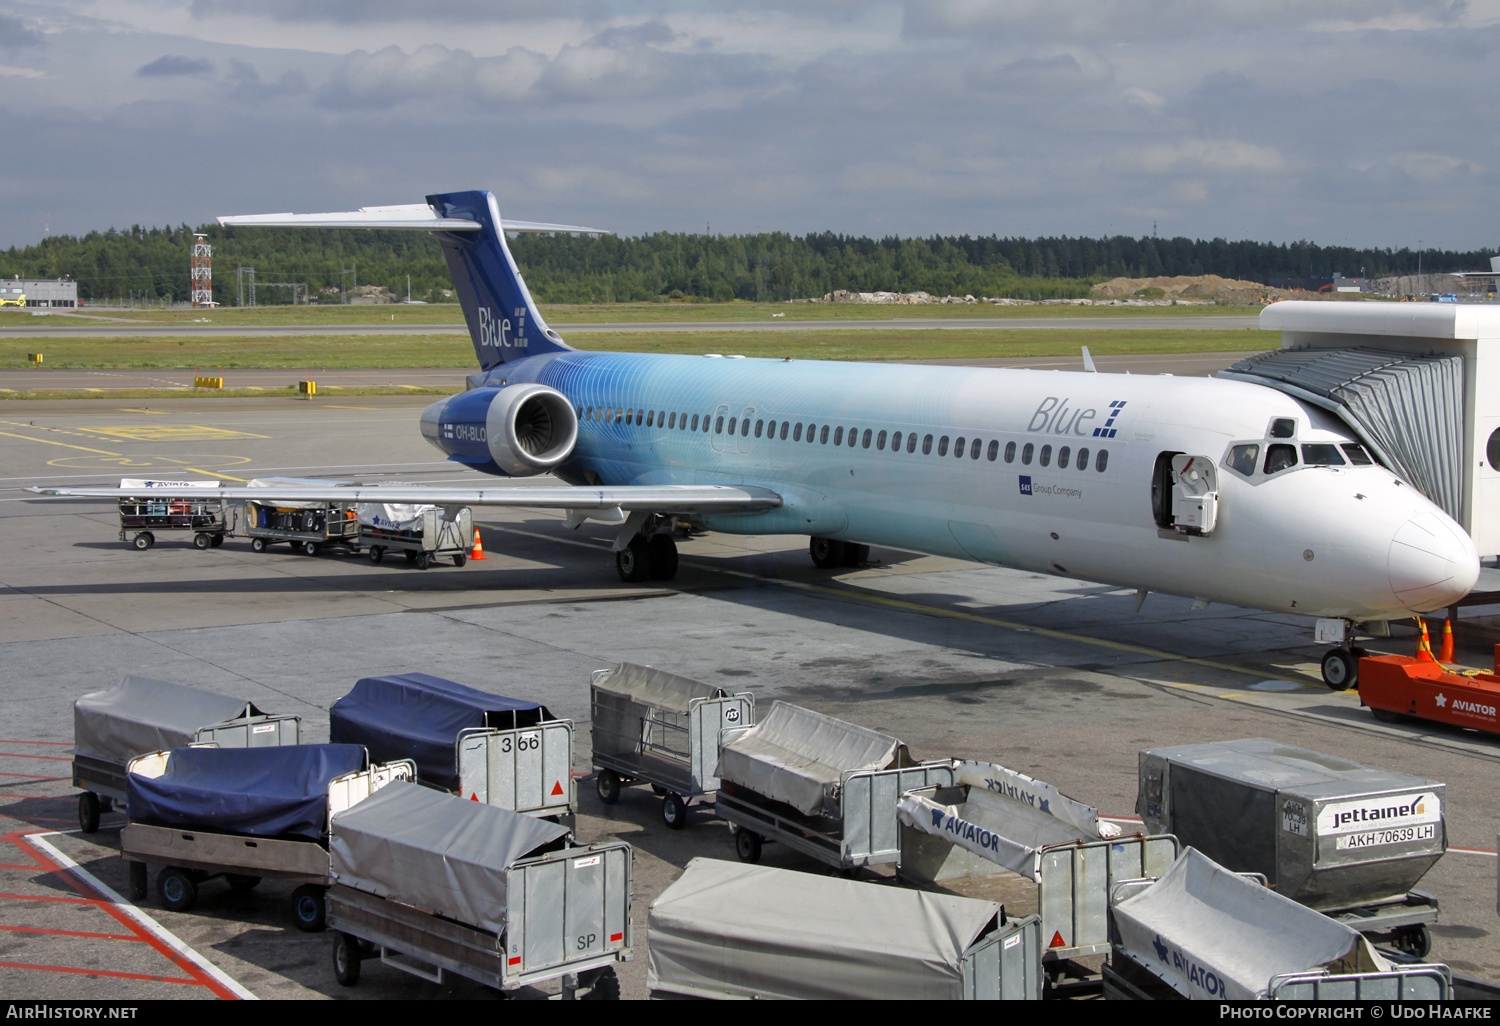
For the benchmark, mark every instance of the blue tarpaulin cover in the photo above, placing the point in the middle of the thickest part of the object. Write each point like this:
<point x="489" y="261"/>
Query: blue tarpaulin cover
<point x="418" y="717"/>
<point x="263" y="792"/>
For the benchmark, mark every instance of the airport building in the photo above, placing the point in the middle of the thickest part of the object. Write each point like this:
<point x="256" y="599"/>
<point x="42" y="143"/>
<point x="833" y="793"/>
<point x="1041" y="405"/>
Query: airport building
<point x="39" y="292"/>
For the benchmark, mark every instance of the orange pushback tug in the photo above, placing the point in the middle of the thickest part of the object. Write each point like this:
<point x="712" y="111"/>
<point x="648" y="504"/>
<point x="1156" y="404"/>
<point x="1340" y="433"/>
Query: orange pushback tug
<point x="1395" y="687"/>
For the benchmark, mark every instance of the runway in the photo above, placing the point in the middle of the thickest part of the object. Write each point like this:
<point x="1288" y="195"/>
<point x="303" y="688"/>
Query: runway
<point x="1058" y="679"/>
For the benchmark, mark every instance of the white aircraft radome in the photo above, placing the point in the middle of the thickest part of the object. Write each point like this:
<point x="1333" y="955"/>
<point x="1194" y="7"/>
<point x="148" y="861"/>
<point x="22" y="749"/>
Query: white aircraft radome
<point x="1221" y="491"/>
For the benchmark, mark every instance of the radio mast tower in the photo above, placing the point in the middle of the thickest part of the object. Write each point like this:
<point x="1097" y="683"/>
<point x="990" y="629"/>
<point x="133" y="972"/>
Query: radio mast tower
<point x="202" y="272"/>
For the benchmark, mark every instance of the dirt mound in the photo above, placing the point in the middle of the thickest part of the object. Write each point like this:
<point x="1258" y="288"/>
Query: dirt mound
<point x="1183" y="286"/>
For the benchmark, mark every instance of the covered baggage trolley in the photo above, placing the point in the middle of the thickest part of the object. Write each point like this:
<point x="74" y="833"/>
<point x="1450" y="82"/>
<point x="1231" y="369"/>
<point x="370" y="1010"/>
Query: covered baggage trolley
<point x="1170" y="941"/>
<point x="724" y="930"/>
<point x="1349" y="840"/>
<point x="508" y="752"/>
<point x="309" y="527"/>
<point x="821" y="786"/>
<point x="435" y="884"/>
<point x="654" y="727"/>
<point x="998" y="819"/>
<point x="156" y="508"/>
<point x="245" y="815"/>
<point x="423" y="534"/>
<point x="140" y="715"/>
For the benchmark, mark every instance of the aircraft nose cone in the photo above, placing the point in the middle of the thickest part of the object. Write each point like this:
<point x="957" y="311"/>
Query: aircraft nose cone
<point x="1433" y="563"/>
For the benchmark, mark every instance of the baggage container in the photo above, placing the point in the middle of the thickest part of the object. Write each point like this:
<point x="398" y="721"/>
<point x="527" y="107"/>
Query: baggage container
<point x="724" y="930"/>
<point x="140" y="715"/>
<point x="309" y="527"/>
<point x="156" y="508"/>
<point x="244" y="815"/>
<point x="821" y="786"/>
<point x="433" y="884"/>
<point x="429" y="534"/>
<point x="1348" y="840"/>
<point x="508" y="752"/>
<point x="652" y="727"/>
<point x="1171" y="941"/>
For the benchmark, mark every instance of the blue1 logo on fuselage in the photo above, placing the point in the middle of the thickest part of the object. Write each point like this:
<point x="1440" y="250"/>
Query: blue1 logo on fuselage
<point x="1054" y="417"/>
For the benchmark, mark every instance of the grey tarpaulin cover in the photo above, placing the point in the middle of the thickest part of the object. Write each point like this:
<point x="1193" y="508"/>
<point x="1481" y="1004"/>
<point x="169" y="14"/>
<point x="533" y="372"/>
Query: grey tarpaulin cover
<point x="1007" y="817"/>
<point x="1209" y="933"/>
<point x="797" y="756"/>
<point x="140" y="715"/>
<point x="628" y="694"/>
<point x="435" y="851"/>
<point x="731" y="930"/>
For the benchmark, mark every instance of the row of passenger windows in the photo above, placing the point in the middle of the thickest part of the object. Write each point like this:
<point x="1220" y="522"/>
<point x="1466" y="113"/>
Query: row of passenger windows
<point x="825" y="434"/>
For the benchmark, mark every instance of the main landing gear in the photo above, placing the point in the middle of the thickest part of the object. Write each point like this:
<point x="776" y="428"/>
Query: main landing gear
<point x="650" y="556"/>
<point x="829" y="553"/>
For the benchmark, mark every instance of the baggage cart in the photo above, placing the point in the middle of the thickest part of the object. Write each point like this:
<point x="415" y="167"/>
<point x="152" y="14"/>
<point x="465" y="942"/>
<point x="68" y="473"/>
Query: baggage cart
<point x="433" y="884"/>
<point x="652" y="727"/>
<point x="501" y="751"/>
<point x="1396" y="688"/>
<point x="140" y="715"/>
<point x="426" y="537"/>
<point x="156" y="508"/>
<point x="996" y="819"/>
<point x="724" y="930"/>
<point x="1169" y="941"/>
<point x="244" y="816"/>
<point x="818" y="785"/>
<point x="309" y="527"/>
<point x="1349" y="840"/>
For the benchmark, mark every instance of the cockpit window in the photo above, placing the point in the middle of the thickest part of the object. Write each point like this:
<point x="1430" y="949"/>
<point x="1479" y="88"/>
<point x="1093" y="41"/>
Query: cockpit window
<point x="1357" y="455"/>
<point x="1284" y="427"/>
<point x="1280" y="457"/>
<point x="1242" y="459"/>
<point x="1323" y="454"/>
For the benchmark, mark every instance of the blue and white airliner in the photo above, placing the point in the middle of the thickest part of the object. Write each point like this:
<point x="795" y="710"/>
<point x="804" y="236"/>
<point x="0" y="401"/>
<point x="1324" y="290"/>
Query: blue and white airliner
<point x="1217" y="490"/>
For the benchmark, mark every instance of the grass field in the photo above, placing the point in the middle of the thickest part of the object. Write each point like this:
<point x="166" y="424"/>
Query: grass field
<point x="334" y="352"/>
<point x="633" y="313"/>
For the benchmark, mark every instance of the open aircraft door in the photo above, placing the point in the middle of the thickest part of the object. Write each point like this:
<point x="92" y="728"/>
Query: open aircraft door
<point x="1185" y="493"/>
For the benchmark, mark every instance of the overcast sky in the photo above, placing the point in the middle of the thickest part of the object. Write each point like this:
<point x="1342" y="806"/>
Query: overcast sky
<point x="1360" y="123"/>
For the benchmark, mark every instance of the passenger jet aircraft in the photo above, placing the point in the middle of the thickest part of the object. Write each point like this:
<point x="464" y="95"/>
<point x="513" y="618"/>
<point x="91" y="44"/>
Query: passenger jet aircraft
<point x="1221" y="491"/>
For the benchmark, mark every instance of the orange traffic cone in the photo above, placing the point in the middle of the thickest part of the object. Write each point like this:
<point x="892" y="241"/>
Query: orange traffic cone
<point x="478" y="551"/>
<point x="1424" y="646"/>
<point x="1445" y="647"/>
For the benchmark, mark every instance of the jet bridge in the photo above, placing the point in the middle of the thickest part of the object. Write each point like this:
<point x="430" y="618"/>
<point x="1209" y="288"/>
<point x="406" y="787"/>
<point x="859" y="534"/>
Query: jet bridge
<point x="1418" y="383"/>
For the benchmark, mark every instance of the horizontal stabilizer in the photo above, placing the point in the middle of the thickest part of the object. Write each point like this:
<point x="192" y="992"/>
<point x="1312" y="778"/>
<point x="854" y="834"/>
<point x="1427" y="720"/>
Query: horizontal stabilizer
<point x="649" y="498"/>
<point x="411" y="216"/>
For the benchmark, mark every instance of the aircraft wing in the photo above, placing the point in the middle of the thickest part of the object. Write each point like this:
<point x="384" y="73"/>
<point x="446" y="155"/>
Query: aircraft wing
<point x="625" y="498"/>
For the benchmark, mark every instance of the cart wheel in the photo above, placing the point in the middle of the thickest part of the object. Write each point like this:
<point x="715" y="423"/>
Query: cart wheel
<point x="410" y="554"/>
<point x="1416" y="941"/>
<point x="309" y="908"/>
<point x="88" y="812"/>
<point x="202" y="541"/>
<point x="607" y="783"/>
<point x="345" y="959"/>
<point x="673" y="812"/>
<point x="143" y="541"/>
<point x="747" y="845"/>
<point x="376" y="553"/>
<point x="459" y="559"/>
<point x="423" y="561"/>
<point x="257" y="545"/>
<point x="138" y="887"/>
<point x="176" y="889"/>
<point x="310" y="548"/>
<point x="603" y="984"/>
<point x="241" y="883"/>
<point x="216" y="540"/>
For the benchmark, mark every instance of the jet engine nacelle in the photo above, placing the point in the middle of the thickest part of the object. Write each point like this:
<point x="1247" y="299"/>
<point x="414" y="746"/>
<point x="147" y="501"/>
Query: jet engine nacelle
<point x="519" y="430"/>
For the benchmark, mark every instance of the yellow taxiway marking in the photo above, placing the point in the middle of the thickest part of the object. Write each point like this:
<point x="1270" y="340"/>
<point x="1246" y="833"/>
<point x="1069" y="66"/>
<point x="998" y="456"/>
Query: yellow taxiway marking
<point x="171" y="433"/>
<point x="154" y="413"/>
<point x="48" y="441"/>
<point x="215" y="473"/>
<point x="334" y="406"/>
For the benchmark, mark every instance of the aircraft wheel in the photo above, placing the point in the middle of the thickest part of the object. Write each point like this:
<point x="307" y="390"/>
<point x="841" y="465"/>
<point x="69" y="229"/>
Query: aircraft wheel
<point x="855" y="554"/>
<point x="1340" y="669"/>
<point x="663" y="557"/>
<point x="88" y="812"/>
<point x="633" y="562"/>
<point x="827" y="554"/>
<point x="607" y="783"/>
<point x="257" y="545"/>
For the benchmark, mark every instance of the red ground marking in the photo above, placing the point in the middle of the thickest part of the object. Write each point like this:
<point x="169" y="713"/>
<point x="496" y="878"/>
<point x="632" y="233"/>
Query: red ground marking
<point x="197" y="975"/>
<point x="100" y="972"/>
<point x="47" y="897"/>
<point x="43" y="797"/>
<point x="69" y="933"/>
<point x="7" y="741"/>
<point x="24" y="755"/>
<point x="30" y="776"/>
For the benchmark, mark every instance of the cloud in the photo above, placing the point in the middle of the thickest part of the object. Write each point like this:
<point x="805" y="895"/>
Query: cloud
<point x="14" y="34"/>
<point x="171" y="64"/>
<point x="1215" y="156"/>
<point x="365" y="11"/>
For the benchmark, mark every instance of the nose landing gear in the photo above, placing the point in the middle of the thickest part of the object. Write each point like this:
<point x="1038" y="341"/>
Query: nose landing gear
<point x="1341" y="663"/>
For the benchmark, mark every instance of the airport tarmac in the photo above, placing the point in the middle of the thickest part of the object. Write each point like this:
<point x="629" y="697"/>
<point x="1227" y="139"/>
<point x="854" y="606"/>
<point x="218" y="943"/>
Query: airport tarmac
<point x="1056" y="678"/>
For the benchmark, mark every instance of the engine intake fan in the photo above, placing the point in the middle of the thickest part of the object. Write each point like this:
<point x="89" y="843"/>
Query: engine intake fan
<point x="530" y="429"/>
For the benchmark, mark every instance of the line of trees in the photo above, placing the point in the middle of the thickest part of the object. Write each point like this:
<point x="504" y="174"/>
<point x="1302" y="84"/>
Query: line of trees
<point x="773" y="266"/>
